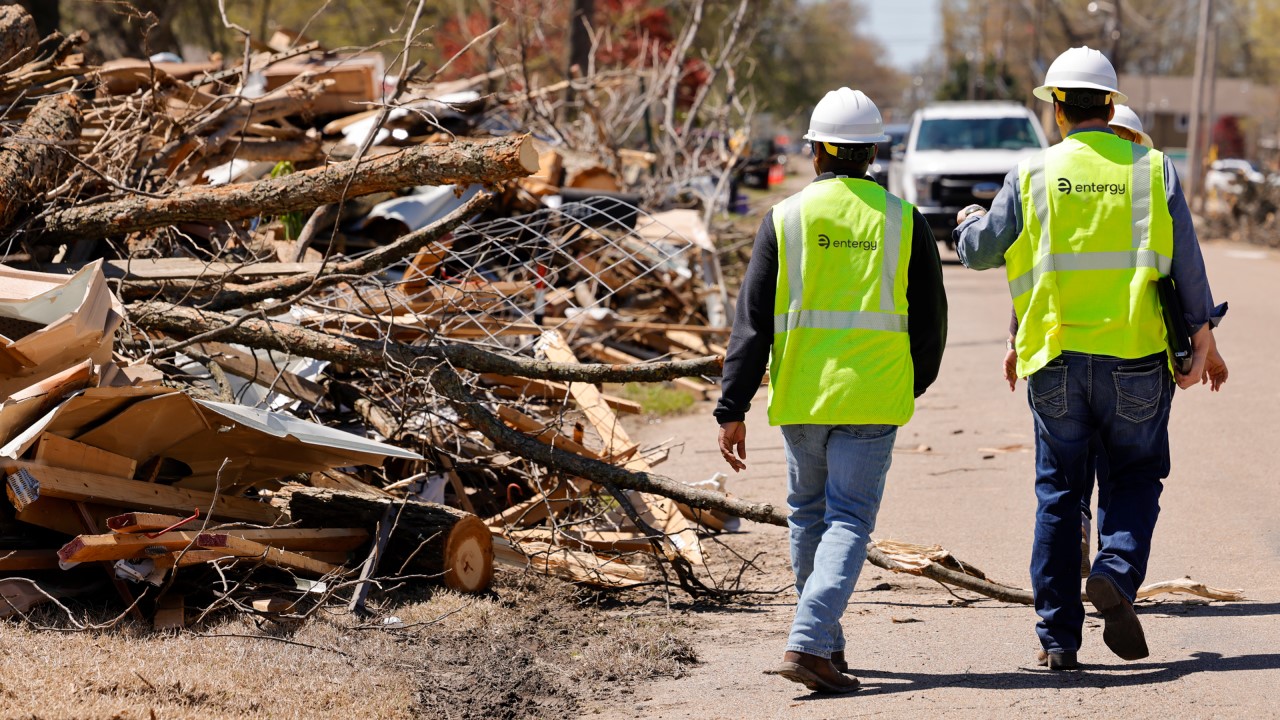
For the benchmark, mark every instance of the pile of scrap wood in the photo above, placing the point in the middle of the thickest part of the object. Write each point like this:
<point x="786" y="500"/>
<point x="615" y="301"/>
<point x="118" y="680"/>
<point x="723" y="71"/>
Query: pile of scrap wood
<point x="106" y="465"/>
<point x="214" y="256"/>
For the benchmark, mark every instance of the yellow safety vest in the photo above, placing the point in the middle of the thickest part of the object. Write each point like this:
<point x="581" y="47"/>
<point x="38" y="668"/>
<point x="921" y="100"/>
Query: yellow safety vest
<point x="1096" y="235"/>
<point x="841" y="354"/>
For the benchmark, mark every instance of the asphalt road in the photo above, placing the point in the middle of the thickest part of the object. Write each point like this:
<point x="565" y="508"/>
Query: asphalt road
<point x="918" y="653"/>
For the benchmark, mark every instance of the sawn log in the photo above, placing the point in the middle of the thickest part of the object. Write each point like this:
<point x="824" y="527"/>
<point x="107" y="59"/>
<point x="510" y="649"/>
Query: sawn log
<point x="427" y="539"/>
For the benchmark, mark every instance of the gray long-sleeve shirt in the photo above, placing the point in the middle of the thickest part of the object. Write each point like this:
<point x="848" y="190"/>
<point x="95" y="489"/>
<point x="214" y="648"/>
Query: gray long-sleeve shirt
<point x="751" y="341"/>
<point x="983" y="241"/>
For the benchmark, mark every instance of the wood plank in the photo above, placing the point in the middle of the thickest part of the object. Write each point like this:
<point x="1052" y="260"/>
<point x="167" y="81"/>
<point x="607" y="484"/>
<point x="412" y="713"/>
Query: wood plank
<point x="13" y="560"/>
<point x="525" y="387"/>
<point x="248" y="366"/>
<point x="540" y="432"/>
<point x="141" y="522"/>
<point x="574" y="566"/>
<point x="659" y="512"/>
<point x="188" y="269"/>
<point x="171" y="613"/>
<point x="606" y="354"/>
<point x="638" y="325"/>
<point x="92" y="487"/>
<point x="239" y="547"/>
<point x="66" y="453"/>
<point x="537" y="508"/>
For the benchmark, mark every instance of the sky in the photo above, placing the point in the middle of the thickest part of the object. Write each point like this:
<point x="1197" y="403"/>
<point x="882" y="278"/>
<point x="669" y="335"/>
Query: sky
<point x="910" y="29"/>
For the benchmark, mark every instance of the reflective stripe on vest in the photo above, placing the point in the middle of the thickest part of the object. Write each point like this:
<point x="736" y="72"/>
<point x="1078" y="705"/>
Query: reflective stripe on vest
<point x="841" y="352"/>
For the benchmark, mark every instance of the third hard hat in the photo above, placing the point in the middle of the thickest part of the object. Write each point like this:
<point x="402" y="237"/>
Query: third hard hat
<point x="846" y="116"/>
<point x="1125" y="117"/>
<point x="1082" y="68"/>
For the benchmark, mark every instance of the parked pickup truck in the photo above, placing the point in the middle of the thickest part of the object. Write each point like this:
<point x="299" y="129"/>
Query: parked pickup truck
<point x="957" y="154"/>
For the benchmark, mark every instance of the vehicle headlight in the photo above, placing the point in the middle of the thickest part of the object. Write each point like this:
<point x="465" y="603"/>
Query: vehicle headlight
<point x="924" y="187"/>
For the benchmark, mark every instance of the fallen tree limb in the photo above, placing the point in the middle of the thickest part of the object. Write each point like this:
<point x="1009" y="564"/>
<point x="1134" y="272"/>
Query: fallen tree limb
<point x="458" y="163"/>
<point x="35" y="159"/>
<point x="448" y="384"/>
<point x="271" y="335"/>
<point x="1190" y="587"/>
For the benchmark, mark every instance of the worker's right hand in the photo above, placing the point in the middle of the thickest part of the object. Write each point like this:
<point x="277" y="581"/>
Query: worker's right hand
<point x="733" y="438"/>
<point x="1201" y="344"/>
<point x="1011" y="368"/>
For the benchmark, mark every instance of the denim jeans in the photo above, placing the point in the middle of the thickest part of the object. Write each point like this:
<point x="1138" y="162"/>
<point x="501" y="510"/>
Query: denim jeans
<point x="1125" y="403"/>
<point x="835" y="479"/>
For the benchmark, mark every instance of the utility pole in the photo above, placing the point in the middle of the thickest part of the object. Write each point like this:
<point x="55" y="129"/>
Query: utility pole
<point x="1195" y="158"/>
<point x="579" y="42"/>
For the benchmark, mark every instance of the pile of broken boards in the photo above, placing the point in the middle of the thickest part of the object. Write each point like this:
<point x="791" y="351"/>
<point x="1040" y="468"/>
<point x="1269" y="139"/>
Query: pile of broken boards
<point x="565" y="263"/>
<point x="115" y="479"/>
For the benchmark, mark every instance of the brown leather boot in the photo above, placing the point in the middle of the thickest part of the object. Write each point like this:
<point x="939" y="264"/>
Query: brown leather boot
<point x="816" y="673"/>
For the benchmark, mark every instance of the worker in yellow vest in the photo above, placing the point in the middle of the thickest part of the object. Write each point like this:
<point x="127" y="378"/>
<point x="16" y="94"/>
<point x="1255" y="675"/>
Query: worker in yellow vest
<point x="843" y="302"/>
<point x="1084" y="230"/>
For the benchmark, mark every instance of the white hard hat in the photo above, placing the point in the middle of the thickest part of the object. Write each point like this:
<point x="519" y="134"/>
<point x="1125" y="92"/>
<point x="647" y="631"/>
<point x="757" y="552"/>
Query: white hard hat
<point x="1083" y="68"/>
<point x="1125" y="117"/>
<point x="846" y="116"/>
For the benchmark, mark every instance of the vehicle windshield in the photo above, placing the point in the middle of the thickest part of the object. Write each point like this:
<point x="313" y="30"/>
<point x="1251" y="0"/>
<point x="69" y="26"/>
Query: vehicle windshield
<point x="1006" y="133"/>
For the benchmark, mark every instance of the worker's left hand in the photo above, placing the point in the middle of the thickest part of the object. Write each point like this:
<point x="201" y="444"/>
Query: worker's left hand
<point x="733" y="437"/>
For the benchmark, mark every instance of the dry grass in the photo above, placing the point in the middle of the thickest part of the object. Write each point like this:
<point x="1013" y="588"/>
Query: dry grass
<point x="531" y="651"/>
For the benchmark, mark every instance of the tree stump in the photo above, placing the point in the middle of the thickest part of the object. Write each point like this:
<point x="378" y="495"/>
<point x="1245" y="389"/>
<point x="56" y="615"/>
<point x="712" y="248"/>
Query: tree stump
<point x="451" y="546"/>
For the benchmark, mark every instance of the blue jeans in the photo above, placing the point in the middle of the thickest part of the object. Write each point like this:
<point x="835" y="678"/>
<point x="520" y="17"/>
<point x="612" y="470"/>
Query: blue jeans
<point x="1125" y="403"/>
<point x="835" y="479"/>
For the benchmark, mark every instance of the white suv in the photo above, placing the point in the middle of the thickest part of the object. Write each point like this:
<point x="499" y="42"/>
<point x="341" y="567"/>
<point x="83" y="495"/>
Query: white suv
<point x="958" y="154"/>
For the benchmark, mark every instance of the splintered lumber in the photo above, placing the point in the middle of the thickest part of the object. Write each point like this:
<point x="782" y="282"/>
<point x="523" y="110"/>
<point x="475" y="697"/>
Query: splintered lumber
<point x="123" y="546"/>
<point x="573" y="565"/>
<point x="459" y="163"/>
<point x="659" y="512"/>
<point x="517" y="387"/>
<point x="36" y="158"/>
<point x="18" y="37"/>
<point x="317" y="539"/>
<point x="106" y="490"/>
<point x="607" y="354"/>
<point x="240" y="547"/>
<point x="428" y="539"/>
<point x="540" y="432"/>
<point x="61" y="452"/>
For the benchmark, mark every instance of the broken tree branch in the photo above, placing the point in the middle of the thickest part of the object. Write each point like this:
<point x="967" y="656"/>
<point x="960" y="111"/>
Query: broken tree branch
<point x="459" y="163"/>
<point x="357" y="352"/>
<point x="449" y="384"/>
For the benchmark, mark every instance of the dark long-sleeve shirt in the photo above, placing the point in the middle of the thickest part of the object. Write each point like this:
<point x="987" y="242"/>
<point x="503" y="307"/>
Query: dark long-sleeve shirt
<point x="982" y="241"/>
<point x="751" y="341"/>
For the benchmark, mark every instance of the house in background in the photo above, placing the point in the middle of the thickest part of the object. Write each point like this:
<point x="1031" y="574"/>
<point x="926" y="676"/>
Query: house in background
<point x="1243" y="114"/>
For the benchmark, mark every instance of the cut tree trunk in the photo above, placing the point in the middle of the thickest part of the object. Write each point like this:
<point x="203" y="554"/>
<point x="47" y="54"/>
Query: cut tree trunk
<point x="446" y="544"/>
<point x="458" y="163"/>
<point x="34" y="160"/>
<point x="18" y="37"/>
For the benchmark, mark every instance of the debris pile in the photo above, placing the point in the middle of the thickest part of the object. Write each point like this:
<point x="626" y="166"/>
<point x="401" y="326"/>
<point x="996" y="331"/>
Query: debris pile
<point x="219" y="250"/>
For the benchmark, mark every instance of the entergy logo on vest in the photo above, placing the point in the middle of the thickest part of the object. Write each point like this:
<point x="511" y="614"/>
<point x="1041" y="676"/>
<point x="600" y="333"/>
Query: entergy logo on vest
<point x="1065" y="186"/>
<point x="824" y="242"/>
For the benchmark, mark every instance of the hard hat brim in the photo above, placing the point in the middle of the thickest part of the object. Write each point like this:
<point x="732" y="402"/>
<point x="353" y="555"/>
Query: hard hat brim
<point x="816" y="136"/>
<point x="1045" y="92"/>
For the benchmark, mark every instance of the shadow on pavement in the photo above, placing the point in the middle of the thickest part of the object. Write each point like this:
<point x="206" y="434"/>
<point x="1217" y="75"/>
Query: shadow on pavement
<point x="1231" y="609"/>
<point x="1089" y="676"/>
